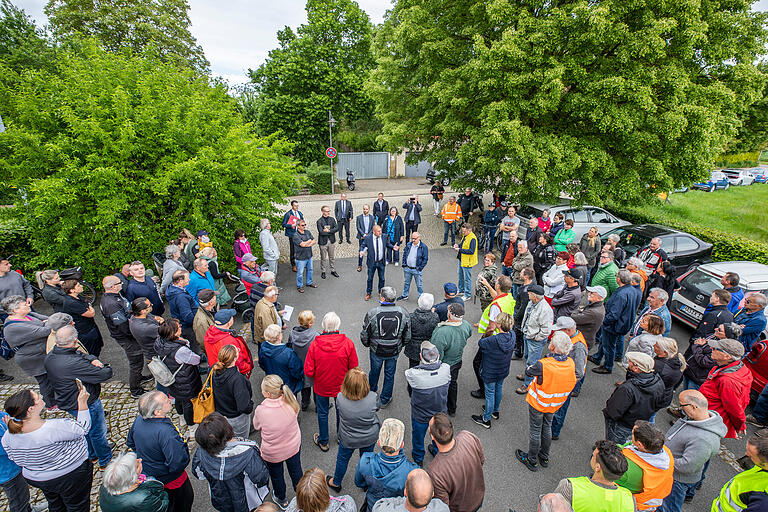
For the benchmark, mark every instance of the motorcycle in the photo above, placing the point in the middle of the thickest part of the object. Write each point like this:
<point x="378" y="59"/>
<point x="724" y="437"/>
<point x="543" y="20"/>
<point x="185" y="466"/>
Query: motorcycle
<point x="350" y="180"/>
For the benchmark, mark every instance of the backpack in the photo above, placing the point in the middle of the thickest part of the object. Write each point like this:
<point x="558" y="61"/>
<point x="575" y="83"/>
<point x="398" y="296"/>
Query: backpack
<point x="6" y="350"/>
<point x="160" y="371"/>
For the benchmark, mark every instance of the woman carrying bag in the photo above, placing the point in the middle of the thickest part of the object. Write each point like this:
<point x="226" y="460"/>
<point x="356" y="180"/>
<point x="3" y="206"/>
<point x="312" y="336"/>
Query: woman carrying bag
<point x="232" y="395"/>
<point x="182" y="362"/>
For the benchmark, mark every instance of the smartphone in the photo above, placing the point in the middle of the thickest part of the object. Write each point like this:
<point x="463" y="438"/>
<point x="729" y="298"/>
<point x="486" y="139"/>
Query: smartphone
<point x="79" y="384"/>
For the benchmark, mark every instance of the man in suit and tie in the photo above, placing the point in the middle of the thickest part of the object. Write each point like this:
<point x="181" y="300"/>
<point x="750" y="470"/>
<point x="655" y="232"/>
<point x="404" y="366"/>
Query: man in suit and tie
<point x="380" y="209"/>
<point x="343" y="213"/>
<point x="375" y="248"/>
<point x="364" y="224"/>
<point x="412" y="216"/>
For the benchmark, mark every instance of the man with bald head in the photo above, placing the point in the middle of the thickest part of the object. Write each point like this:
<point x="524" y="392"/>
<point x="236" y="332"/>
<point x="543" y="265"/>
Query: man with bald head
<point x="693" y="440"/>
<point x="419" y="496"/>
<point x="117" y="311"/>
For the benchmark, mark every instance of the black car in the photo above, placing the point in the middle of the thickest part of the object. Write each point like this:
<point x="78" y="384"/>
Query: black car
<point x="682" y="248"/>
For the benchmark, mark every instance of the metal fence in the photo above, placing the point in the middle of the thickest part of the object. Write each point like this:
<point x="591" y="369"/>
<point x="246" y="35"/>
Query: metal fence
<point x="364" y="165"/>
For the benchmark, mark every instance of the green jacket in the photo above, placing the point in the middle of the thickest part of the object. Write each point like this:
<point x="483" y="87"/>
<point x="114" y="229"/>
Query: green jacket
<point x="563" y="238"/>
<point x="606" y="277"/>
<point x="450" y="341"/>
<point x="150" y="496"/>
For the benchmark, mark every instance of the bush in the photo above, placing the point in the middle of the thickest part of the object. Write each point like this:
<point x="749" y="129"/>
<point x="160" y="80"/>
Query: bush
<point x="726" y="246"/>
<point x="14" y="241"/>
<point x="318" y="178"/>
<point x="738" y="160"/>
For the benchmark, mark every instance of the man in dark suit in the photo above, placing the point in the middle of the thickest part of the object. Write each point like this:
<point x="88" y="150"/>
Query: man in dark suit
<point x="364" y="224"/>
<point x="343" y="213"/>
<point x="412" y="216"/>
<point x="375" y="249"/>
<point x="380" y="209"/>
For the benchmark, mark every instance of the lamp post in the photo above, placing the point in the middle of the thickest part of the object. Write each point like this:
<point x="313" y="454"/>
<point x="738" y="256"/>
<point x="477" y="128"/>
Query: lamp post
<point x="331" y="124"/>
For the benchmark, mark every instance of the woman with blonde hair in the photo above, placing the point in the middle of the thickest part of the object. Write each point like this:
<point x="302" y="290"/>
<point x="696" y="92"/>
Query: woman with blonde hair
<point x="312" y="495"/>
<point x="358" y="422"/>
<point x="212" y="257"/>
<point x="277" y="419"/>
<point x="232" y="396"/>
<point x="669" y="364"/>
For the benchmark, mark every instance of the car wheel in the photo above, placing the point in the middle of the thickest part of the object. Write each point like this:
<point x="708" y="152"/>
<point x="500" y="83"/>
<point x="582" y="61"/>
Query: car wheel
<point x="446" y="182"/>
<point x="712" y="188"/>
<point x="727" y="185"/>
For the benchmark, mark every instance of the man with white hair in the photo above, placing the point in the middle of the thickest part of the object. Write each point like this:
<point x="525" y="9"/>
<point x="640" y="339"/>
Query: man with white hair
<point x="619" y="254"/>
<point x="122" y="490"/>
<point x="552" y="380"/>
<point x="415" y="258"/>
<point x="265" y="313"/>
<point x="65" y="364"/>
<point x="269" y="249"/>
<point x="619" y="315"/>
<point x="652" y="254"/>
<point x="656" y="305"/>
<point x="752" y="319"/>
<point x="249" y="271"/>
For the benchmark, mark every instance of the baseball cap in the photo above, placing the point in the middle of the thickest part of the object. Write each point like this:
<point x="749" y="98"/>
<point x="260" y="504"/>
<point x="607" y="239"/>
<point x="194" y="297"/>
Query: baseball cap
<point x="391" y="434"/>
<point x="731" y="347"/>
<point x="643" y="361"/>
<point x="536" y="289"/>
<point x="249" y="257"/>
<point x="429" y="352"/>
<point x="205" y="295"/>
<point x="564" y="322"/>
<point x="223" y="316"/>
<point x="450" y="288"/>
<point x="201" y="233"/>
<point x="600" y="290"/>
<point x="504" y="204"/>
<point x="573" y="272"/>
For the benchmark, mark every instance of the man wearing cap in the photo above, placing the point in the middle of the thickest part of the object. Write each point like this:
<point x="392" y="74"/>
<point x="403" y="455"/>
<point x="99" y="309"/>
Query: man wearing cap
<point x="383" y="474"/>
<point x="727" y="385"/>
<point x="204" y="316"/>
<point x="566" y="300"/>
<point x="590" y="318"/>
<point x="619" y="315"/>
<point x="637" y="398"/>
<point x="450" y="338"/>
<point x="551" y="381"/>
<point x="386" y="330"/>
<point x="302" y="242"/>
<point x="183" y="307"/>
<point x="265" y="313"/>
<point x="450" y="291"/>
<point x="290" y="221"/>
<point x="579" y="355"/>
<point x="249" y="272"/>
<point x="13" y="283"/>
<point x="327" y="227"/>
<point x="537" y="325"/>
<point x="374" y="248"/>
<point x="698" y="355"/>
<point x="220" y="334"/>
<point x="419" y="496"/>
<point x="430" y="381"/>
<point x="650" y="466"/>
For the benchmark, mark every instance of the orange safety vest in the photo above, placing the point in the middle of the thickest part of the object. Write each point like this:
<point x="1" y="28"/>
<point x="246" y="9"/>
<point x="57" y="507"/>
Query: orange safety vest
<point x="558" y="381"/>
<point x="657" y="483"/>
<point x="451" y="213"/>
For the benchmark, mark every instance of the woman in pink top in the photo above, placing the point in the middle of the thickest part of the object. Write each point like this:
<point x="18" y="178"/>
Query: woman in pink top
<point x="276" y="418"/>
<point x="240" y="247"/>
<point x="545" y="223"/>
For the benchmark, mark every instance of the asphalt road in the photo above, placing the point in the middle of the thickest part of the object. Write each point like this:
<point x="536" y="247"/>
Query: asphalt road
<point x="508" y="483"/>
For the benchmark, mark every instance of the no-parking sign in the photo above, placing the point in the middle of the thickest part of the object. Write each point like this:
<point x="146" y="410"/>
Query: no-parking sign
<point x="330" y="152"/>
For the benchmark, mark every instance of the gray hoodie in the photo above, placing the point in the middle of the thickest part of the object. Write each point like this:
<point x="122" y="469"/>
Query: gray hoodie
<point x="693" y="443"/>
<point x="338" y="504"/>
<point x="398" y="505"/>
<point x="299" y="340"/>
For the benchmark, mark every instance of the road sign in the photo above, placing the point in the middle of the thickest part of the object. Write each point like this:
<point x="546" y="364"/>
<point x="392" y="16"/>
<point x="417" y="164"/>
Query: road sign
<point x="330" y="152"/>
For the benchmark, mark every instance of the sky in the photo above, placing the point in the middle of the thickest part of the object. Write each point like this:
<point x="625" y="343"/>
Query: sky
<point x="241" y="35"/>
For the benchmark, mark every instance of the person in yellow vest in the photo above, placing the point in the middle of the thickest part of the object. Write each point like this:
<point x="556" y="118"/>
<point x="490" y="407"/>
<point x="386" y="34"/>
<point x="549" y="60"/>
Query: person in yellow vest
<point x="451" y="213"/>
<point x="599" y="493"/>
<point x="503" y="302"/>
<point x="579" y="355"/>
<point x="650" y="466"/>
<point x="466" y="253"/>
<point x="747" y="491"/>
<point x="552" y="379"/>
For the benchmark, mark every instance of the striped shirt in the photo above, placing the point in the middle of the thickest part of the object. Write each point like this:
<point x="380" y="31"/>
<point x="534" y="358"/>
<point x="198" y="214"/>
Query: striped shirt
<point x="51" y="451"/>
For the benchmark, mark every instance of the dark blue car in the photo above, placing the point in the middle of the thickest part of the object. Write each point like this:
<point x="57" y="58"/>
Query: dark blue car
<point x="716" y="180"/>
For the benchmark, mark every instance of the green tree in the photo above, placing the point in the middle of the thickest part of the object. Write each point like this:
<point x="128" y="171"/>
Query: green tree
<point x="320" y="67"/>
<point x="131" y="24"/>
<point x="753" y="132"/>
<point x="118" y="152"/>
<point x="592" y="98"/>
<point x="22" y="45"/>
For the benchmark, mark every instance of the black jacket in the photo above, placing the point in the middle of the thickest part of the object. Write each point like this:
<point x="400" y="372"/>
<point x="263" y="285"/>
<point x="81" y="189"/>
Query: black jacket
<point x="466" y="203"/>
<point x="232" y="393"/>
<point x="117" y="313"/>
<point x="386" y="329"/>
<point x="187" y="383"/>
<point x="641" y="395"/>
<point x="380" y="213"/>
<point x="521" y="302"/>
<point x="543" y="258"/>
<point x="54" y="296"/>
<point x="144" y="331"/>
<point x="422" y="325"/>
<point x="699" y="361"/>
<point x="717" y="315"/>
<point x="63" y="366"/>
<point x="323" y="237"/>
<point x="671" y="373"/>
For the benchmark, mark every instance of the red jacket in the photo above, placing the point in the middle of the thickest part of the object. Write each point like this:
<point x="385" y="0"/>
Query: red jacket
<point x="727" y="390"/>
<point x="216" y="338"/>
<point x="329" y="358"/>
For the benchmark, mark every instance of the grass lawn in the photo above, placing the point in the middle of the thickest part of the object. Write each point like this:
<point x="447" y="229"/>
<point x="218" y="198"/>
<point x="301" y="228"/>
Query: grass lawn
<point x="739" y="210"/>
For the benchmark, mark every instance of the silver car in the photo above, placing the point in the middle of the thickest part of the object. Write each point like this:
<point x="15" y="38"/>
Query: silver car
<point x="583" y="217"/>
<point x="738" y="177"/>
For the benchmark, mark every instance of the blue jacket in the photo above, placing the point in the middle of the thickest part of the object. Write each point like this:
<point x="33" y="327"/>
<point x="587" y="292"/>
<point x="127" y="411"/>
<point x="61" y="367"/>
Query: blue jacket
<point x="160" y="447"/>
<point x="442" y="308"/>
<point x="382" y="475"/>
<point x="429" y="382"/>
<point x="663" y="313"/>
<point x="497" y="354"/>
<point x="491" y="218"/>
<point x="146" y="289"/>
<point x="736" y="295"/>
<point x="422" y="256"/>
<point x="368" y="244"/>
<point x="620" y="310"/>
<point x="8" y="468"/>
<point x="197" y="283"/>
<point x="182" y="305"/>
<point x="282" y="360"/>
<point x="289" y="231"/>
<point x="754" y="324"/>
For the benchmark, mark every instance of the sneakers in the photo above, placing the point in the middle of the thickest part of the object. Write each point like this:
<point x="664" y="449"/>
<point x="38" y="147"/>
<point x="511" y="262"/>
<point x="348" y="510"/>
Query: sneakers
<point x="751" y="419"/>
<point x="480" y="421"/>
<point x="402" y="297"/>
<point x="137" y="393"/>
<point x="397" y="263"/>
<point x="494" y="415"/>
<point x="523" y="457"/>
<point x="384" y="405"/>
<point x="283" y="504"/>
<point x="543" y="462"/>
<point x="476" y="393"/>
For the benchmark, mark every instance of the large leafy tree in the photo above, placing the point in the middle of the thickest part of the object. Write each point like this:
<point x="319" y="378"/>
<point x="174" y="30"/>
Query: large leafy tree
<point x="319" y="67"/>
<point x="753" y="133"/>
<point x="131" y="24"/>
<point x="22" y="45"/>
<point x="597" y="99"/>
<point x="117" y="152"/>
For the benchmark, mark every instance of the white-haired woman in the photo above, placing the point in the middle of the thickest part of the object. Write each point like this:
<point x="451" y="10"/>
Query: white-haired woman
<point x="124" y="487"/>
<point x="171" y="265"/>
<point x="268" y="246"/>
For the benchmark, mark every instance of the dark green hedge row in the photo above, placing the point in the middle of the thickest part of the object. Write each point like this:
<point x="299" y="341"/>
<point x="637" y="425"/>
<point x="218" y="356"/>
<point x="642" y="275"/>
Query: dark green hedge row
<point x="727" y="246"/>
<point x="14" y="241"/>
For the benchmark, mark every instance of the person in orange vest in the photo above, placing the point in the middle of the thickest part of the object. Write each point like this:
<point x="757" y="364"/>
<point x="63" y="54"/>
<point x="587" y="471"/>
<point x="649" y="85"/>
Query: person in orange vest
<point x="451" y="213"/>
<point x="651" y="466"/>
<point x="553" y="379"/>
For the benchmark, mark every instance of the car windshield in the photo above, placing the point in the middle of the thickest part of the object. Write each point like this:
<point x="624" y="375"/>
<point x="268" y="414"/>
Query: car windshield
<point x="529" y="211"/>
<point x="629" y="238"/>
<point x="702" y="282"/>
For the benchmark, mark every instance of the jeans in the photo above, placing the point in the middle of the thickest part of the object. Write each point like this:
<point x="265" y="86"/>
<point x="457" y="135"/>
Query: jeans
<point x="390" y="366"/>
<point x="300" y="266"/>
<point x="760" y="411"/>
<point x="608" y="344"/>
<point x="418" y="432"/>
<point x="342" y="460"/>
<point x="327" y="252"/>
<point x="393" y="255"/>
<point x="540" y="434"/>
<point x="448" y="227"/>
<point x="493" y="394"/>
<point x="409" y="273"/>
<point x="515" y="287"/>
<point x="559" y="417"/>
<point x="674" y="500"/>
<point x="271" y="265"/>
<point x="70" y="492"/>
<point x="491" y="235"/>
<point x="689" y="384"/>
<point x="98" y="446"/>
<point x="453" y="388"/>
<point x="377" y="267"/>
<point x="465" y="281"/>
<point x="17" y="491"/>
<point x="278" y="477"/>
<point x="323" y="404"/>
<point x="616" y="432"/>
<point x="533" y="351"/>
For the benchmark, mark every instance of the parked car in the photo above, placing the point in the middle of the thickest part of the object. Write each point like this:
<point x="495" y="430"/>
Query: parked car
<point x="689" y="302"/>
<point x="760" y="175"/>
<point x="682" y="248"/>
<point x="583" y="217"/>
<point x="433" y="176"/>
<point x="717" y="180"/>
<point x="738" y="177"/>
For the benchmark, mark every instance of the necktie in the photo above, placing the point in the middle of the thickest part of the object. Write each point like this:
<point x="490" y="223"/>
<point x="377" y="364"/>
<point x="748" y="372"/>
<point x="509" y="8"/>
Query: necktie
<point x="376" y="248"/>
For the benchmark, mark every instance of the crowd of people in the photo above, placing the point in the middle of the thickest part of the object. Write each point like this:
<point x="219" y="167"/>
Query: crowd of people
<point x="550" y="301"/>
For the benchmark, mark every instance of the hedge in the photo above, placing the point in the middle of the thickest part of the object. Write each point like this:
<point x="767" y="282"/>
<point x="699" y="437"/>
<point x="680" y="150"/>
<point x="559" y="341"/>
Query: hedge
<point x="726" y="246"/>
<point x="14" y="241"/>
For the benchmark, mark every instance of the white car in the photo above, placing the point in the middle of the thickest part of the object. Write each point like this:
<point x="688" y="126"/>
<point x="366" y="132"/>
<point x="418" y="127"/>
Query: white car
<point x="738" y="177"/>
<point x="583" y="218"/>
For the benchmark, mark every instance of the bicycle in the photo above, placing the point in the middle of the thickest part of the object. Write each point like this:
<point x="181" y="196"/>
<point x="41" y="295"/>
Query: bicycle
<point x="483" y="236"/>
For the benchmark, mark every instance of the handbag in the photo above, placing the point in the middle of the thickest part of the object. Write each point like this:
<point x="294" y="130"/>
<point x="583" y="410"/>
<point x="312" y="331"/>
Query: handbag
<point x="160" y="371"/>
<point x="202" y="406"/>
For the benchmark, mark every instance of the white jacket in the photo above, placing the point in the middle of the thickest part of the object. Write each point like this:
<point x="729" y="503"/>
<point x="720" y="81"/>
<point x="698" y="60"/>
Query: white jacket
<point x="538" y="320"/>
<point x="268" y="245"/>
<point x="553" y="279"/>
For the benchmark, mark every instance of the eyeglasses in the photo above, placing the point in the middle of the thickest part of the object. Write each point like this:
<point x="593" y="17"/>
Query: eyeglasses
<point x="684" y="405"/>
